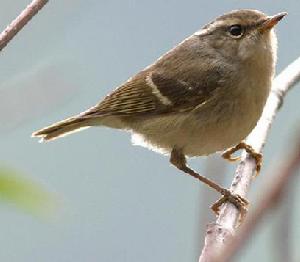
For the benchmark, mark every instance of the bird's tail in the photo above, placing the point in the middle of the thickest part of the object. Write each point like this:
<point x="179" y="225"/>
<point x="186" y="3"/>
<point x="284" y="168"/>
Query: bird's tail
<point x="62" y="128"/>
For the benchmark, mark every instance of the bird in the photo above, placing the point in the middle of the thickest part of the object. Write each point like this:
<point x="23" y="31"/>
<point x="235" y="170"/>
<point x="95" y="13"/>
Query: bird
<point x="203" y="96"/>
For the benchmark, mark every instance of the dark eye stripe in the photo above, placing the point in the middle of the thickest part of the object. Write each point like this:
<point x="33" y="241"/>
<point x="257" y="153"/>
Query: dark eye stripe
<point x="209" y="29"/>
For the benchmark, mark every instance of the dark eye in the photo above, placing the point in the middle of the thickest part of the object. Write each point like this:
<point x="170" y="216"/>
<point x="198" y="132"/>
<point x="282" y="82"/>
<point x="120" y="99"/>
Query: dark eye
<point x="236" y="30"/>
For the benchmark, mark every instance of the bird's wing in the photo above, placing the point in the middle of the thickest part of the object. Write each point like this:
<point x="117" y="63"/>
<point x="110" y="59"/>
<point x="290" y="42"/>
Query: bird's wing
<point x="151" y="93"/>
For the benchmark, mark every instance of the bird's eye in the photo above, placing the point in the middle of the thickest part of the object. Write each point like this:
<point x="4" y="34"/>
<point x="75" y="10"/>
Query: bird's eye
<point x="236" y="31"/>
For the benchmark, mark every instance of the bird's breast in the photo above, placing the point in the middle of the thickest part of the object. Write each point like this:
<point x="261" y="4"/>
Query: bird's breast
<point x="229" y="118"/>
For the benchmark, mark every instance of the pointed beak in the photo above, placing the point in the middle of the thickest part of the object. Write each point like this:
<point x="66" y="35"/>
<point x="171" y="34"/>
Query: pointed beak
<point x="271" y="22"/>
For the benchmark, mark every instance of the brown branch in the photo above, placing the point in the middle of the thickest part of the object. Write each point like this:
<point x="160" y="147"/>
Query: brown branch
<point x="228" y="220"/>
<point x="16" y="25"/>
<point x="272" y="196"/>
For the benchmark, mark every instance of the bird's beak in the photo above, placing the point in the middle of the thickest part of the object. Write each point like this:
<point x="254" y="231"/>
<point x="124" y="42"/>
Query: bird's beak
<point x="271" y="21"/>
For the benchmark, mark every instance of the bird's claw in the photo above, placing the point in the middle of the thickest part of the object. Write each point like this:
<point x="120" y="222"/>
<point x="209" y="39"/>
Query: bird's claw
<point x="249" y="149"/>
<point x="240" y="202"/>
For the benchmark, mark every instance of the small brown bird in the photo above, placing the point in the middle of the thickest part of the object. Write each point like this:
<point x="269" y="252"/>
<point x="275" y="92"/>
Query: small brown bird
<point x="203" y="96"/>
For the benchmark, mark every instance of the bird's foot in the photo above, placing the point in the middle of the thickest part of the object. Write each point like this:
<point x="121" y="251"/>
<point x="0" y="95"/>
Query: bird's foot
<point x="178" y="160"/>
<point x="240" y="202"/>
<point x="249" y="149"/>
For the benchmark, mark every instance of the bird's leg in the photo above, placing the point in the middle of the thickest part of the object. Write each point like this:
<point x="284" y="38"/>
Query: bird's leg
<point x="249" y="149"/>
<point x="178" y="159"/>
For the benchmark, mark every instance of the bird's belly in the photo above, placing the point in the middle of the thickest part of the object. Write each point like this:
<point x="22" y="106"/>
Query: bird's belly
<point x="219" y="131"/>
<point x="194" y="136"/>
<point x="212" y="128"/>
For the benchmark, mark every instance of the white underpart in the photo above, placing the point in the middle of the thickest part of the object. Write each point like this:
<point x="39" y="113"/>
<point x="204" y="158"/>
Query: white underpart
<point x="155" y="91"/>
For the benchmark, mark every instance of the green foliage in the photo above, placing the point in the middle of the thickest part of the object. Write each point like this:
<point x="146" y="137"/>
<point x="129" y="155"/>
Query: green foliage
<point x="24" y="193"/>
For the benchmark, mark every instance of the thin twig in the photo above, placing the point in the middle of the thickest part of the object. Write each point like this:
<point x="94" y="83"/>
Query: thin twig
<point x="16" y="25"/>
<point x="228" y="220"/>
<point x="272" y="196"/>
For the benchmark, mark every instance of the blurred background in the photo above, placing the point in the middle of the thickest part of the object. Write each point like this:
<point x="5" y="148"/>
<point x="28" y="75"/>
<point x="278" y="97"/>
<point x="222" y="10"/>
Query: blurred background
<point x="115" y="201"/>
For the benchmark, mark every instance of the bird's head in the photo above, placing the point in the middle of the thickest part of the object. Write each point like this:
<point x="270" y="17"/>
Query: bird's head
<point x="242" y="34"/>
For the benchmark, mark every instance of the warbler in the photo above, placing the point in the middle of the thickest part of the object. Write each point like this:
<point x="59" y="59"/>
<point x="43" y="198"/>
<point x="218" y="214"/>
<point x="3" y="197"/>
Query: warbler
<point x="203" y="96"/>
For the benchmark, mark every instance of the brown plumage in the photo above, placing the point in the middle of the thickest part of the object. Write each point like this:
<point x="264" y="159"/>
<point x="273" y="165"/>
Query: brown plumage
<point x="203" y="96"/>
<point x="60" y="129"/>
<point x="210" y="83"/>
